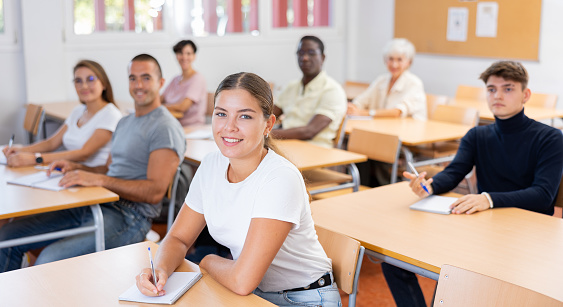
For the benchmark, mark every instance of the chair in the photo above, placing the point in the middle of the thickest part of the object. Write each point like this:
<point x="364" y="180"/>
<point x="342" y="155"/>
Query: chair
<point x="471" y="92"/>
<point x="547" y="101"/>
<point x="377" y="146"/>
<point x="353" y="89"/>
<point x="33" y="121"/>
<point x="432" y="102"/>
<point x="450" y="114"/>
<point x="460" y="288"/>
<point x="210" y="106"/>
<point x="347" y="255"/>
<point x="341" y="133"/>
<point x="171" y="195"/>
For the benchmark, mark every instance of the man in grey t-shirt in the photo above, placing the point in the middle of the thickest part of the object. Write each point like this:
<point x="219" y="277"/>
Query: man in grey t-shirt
<point x="147" y="147"/>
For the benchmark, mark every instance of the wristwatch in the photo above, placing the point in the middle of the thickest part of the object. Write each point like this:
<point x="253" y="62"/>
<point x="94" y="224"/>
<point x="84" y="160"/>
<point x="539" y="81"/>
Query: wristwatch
<point x="372" y="112"/>
<point x="38" y="158"/>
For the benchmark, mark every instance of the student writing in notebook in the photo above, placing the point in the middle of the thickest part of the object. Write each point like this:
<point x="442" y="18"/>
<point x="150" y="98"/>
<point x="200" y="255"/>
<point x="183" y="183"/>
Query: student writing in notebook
<point x="518" y="163"/>
<point x="253" y="201"/>
<point x="146" y="150"/>
<point x="85" y="135"/>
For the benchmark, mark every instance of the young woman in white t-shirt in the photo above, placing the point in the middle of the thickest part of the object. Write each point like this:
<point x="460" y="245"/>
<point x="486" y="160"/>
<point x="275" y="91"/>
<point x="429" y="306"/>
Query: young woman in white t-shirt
<point x="86" y="133"/>
<point x="253" y="201"/>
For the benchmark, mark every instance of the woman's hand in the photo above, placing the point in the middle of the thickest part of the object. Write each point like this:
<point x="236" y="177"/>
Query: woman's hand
<point x="144" y="282"/>
<point x="17" y="159"/>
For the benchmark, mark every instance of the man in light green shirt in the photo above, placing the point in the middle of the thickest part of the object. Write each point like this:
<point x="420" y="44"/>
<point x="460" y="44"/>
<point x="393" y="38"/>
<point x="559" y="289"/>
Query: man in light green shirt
<point x="314" y="105"/>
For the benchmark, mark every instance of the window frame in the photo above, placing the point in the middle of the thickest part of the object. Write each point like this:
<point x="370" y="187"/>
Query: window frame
<point x="9" y="39"/>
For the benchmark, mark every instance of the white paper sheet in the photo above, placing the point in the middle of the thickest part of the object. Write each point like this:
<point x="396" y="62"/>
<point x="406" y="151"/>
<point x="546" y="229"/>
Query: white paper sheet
<point x="487" y="19"/>
<point x="457" y="24"/>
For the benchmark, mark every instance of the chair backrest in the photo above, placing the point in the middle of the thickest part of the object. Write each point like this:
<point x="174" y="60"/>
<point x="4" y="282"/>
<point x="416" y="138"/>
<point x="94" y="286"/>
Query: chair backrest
<point x="346" y="255"/>
<point x="456" y="115"/>
<point x="459" y="287"/>
<point x="341" y="133"/>
<point x="432" y="101"/>
<point x="377" y="146"/>
<point x="559" y="197"/>
<point x="171" y="195"/>
<point x="353" y="89"/>
<point x="32" y="121"/>
<point x="548" y="101"/>
<point x="471" y="92"/>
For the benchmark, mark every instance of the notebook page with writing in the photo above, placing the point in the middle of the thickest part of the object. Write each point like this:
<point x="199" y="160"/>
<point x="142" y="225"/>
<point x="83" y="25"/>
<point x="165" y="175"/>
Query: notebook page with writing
<point x="435" y="204"/>
<point x="40" y="180"/>
<point x="3" y="159"/>
<point x="176" y="285"/>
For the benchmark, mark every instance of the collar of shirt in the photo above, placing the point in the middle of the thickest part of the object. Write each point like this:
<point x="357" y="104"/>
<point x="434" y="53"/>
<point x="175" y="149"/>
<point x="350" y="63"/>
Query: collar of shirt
<point x="317" y="83"/>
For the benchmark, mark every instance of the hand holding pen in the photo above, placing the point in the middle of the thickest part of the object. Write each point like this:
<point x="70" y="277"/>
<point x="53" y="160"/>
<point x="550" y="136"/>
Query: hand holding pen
<point x="418" y="184"/>
<point x="7" y="150"/>
<point x="147" y="281"/>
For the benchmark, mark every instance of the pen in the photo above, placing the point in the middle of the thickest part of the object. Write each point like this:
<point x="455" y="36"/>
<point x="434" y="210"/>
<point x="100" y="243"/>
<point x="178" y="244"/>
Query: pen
<point x="11" y="141"/>
<point x="46" y="167"/>
<point x="416" y="174"/>
<point x="152" y="267"/>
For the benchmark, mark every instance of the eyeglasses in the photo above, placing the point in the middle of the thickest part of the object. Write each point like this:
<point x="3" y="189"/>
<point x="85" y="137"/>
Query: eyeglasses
<point x="90" y="80"/>
<point x="309" y="52"/>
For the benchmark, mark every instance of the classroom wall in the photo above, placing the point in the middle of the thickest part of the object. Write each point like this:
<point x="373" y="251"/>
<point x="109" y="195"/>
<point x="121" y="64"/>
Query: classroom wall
<point x="441" y="74"/>
<point x="39" y="66"/>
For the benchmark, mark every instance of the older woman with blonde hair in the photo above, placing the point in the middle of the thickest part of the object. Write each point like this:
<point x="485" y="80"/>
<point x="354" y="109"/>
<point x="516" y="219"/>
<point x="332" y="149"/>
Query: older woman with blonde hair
<point x="398" y="93"/>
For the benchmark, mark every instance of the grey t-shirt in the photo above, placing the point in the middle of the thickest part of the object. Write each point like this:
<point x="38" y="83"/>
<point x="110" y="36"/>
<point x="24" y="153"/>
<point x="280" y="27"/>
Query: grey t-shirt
<point x="133" y="141"/>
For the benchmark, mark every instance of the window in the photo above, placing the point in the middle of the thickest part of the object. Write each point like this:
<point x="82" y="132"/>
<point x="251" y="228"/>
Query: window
<point x="217" y="17"/>
<point x="1" y="16"/>
<point x="301" y="13"/>
<point x="117" y="16"/>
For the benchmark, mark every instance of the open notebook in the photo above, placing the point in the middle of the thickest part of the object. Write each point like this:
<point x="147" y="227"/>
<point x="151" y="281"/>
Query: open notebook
<point x="40" y="180"/>
<point x="434" y="204"/>
<point x="176" y="285"/>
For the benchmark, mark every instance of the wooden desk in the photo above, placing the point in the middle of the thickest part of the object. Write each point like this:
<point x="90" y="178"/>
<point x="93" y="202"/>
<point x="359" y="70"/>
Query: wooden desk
<point x="485" y="113"/>
<point x="22" y="201"/>
<point x="59" y="111"/>
<point x="98" y="279"/>
<point x="514" y="245"/>
<point x="304" y="155"/>
<point x="412" y="132"/>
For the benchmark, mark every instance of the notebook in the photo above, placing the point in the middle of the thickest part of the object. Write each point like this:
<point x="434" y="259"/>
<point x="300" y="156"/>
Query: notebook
<point x="40" y="180"/>
<point x="3" y="159"/>
<point x="434" y="204"/>
<point x="176" y="285"/>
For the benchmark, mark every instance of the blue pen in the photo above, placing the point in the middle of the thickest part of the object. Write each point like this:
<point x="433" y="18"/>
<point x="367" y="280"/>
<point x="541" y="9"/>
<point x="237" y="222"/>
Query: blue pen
<point x="152" y="267"/>
<point x="416" y="174"/>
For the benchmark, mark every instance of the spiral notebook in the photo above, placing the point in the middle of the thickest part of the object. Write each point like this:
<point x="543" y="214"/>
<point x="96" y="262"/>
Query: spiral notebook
<point x="434" y="204"/>
<point x="176" y="285"/>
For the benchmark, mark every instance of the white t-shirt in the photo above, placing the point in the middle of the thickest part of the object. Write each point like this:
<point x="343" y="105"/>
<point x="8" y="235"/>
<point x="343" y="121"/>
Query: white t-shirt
<point x="75" y="137"/>
<point x="275" y="190"/>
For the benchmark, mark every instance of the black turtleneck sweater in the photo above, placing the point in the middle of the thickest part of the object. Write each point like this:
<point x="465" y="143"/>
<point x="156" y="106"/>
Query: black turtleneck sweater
<point x="519" y="162"/>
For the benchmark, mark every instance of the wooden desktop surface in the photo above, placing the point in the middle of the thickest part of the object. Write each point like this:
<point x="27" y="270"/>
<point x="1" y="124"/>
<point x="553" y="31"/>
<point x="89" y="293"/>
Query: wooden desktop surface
<point x="354" y="90"/>
<point x="61" y="110"/>
<point x="486" y="114"/>
<point x="98" y="279"/>
<point x="21" y="201"/>
<point x="304" y="155"/>
<point x="515" y="245"/>
<point x="412" y="132"/>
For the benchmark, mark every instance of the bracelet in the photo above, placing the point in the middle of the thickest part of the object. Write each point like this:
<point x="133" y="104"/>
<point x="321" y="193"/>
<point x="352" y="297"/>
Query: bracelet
<point x="489" y="199"/>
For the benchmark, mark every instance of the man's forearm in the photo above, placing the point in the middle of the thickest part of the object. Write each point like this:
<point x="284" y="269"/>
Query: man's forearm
<point x="146" y="191"/>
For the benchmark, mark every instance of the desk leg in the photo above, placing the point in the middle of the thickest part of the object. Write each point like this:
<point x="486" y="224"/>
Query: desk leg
<point x="99" y="227"/>
<point x="353" y="169"/>
<point x="403" y="265"/>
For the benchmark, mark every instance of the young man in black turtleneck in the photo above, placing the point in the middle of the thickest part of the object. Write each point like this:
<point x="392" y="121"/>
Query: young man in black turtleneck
<point x="518" y="161"/>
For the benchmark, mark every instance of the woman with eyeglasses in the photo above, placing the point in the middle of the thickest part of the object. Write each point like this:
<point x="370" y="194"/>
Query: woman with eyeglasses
<point x="85" y="135"/>
<point x="187" y="93"/>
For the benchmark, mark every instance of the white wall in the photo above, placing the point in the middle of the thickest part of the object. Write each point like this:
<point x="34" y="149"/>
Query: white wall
<point x="442" y="74"/>
<point x="39" y="67"/>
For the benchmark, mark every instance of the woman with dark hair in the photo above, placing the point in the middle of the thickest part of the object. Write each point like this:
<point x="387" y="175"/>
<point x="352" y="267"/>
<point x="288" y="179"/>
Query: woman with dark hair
<point x="254" y="201"/>
<point x="187" y="93"/>
<point x="85" y="135"/>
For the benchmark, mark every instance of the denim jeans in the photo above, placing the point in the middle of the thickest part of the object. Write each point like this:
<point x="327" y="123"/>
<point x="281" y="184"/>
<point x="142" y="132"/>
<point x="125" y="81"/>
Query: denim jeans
<point x="404" y="286"/>
<point x="122" y="225"/>
<point x="327" y="296"/>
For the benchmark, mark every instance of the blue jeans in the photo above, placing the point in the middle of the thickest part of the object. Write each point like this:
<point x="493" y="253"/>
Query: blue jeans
<point x="404" y="286"/>
<point x="327" y="296"/>
<point x="122" y="225"/>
